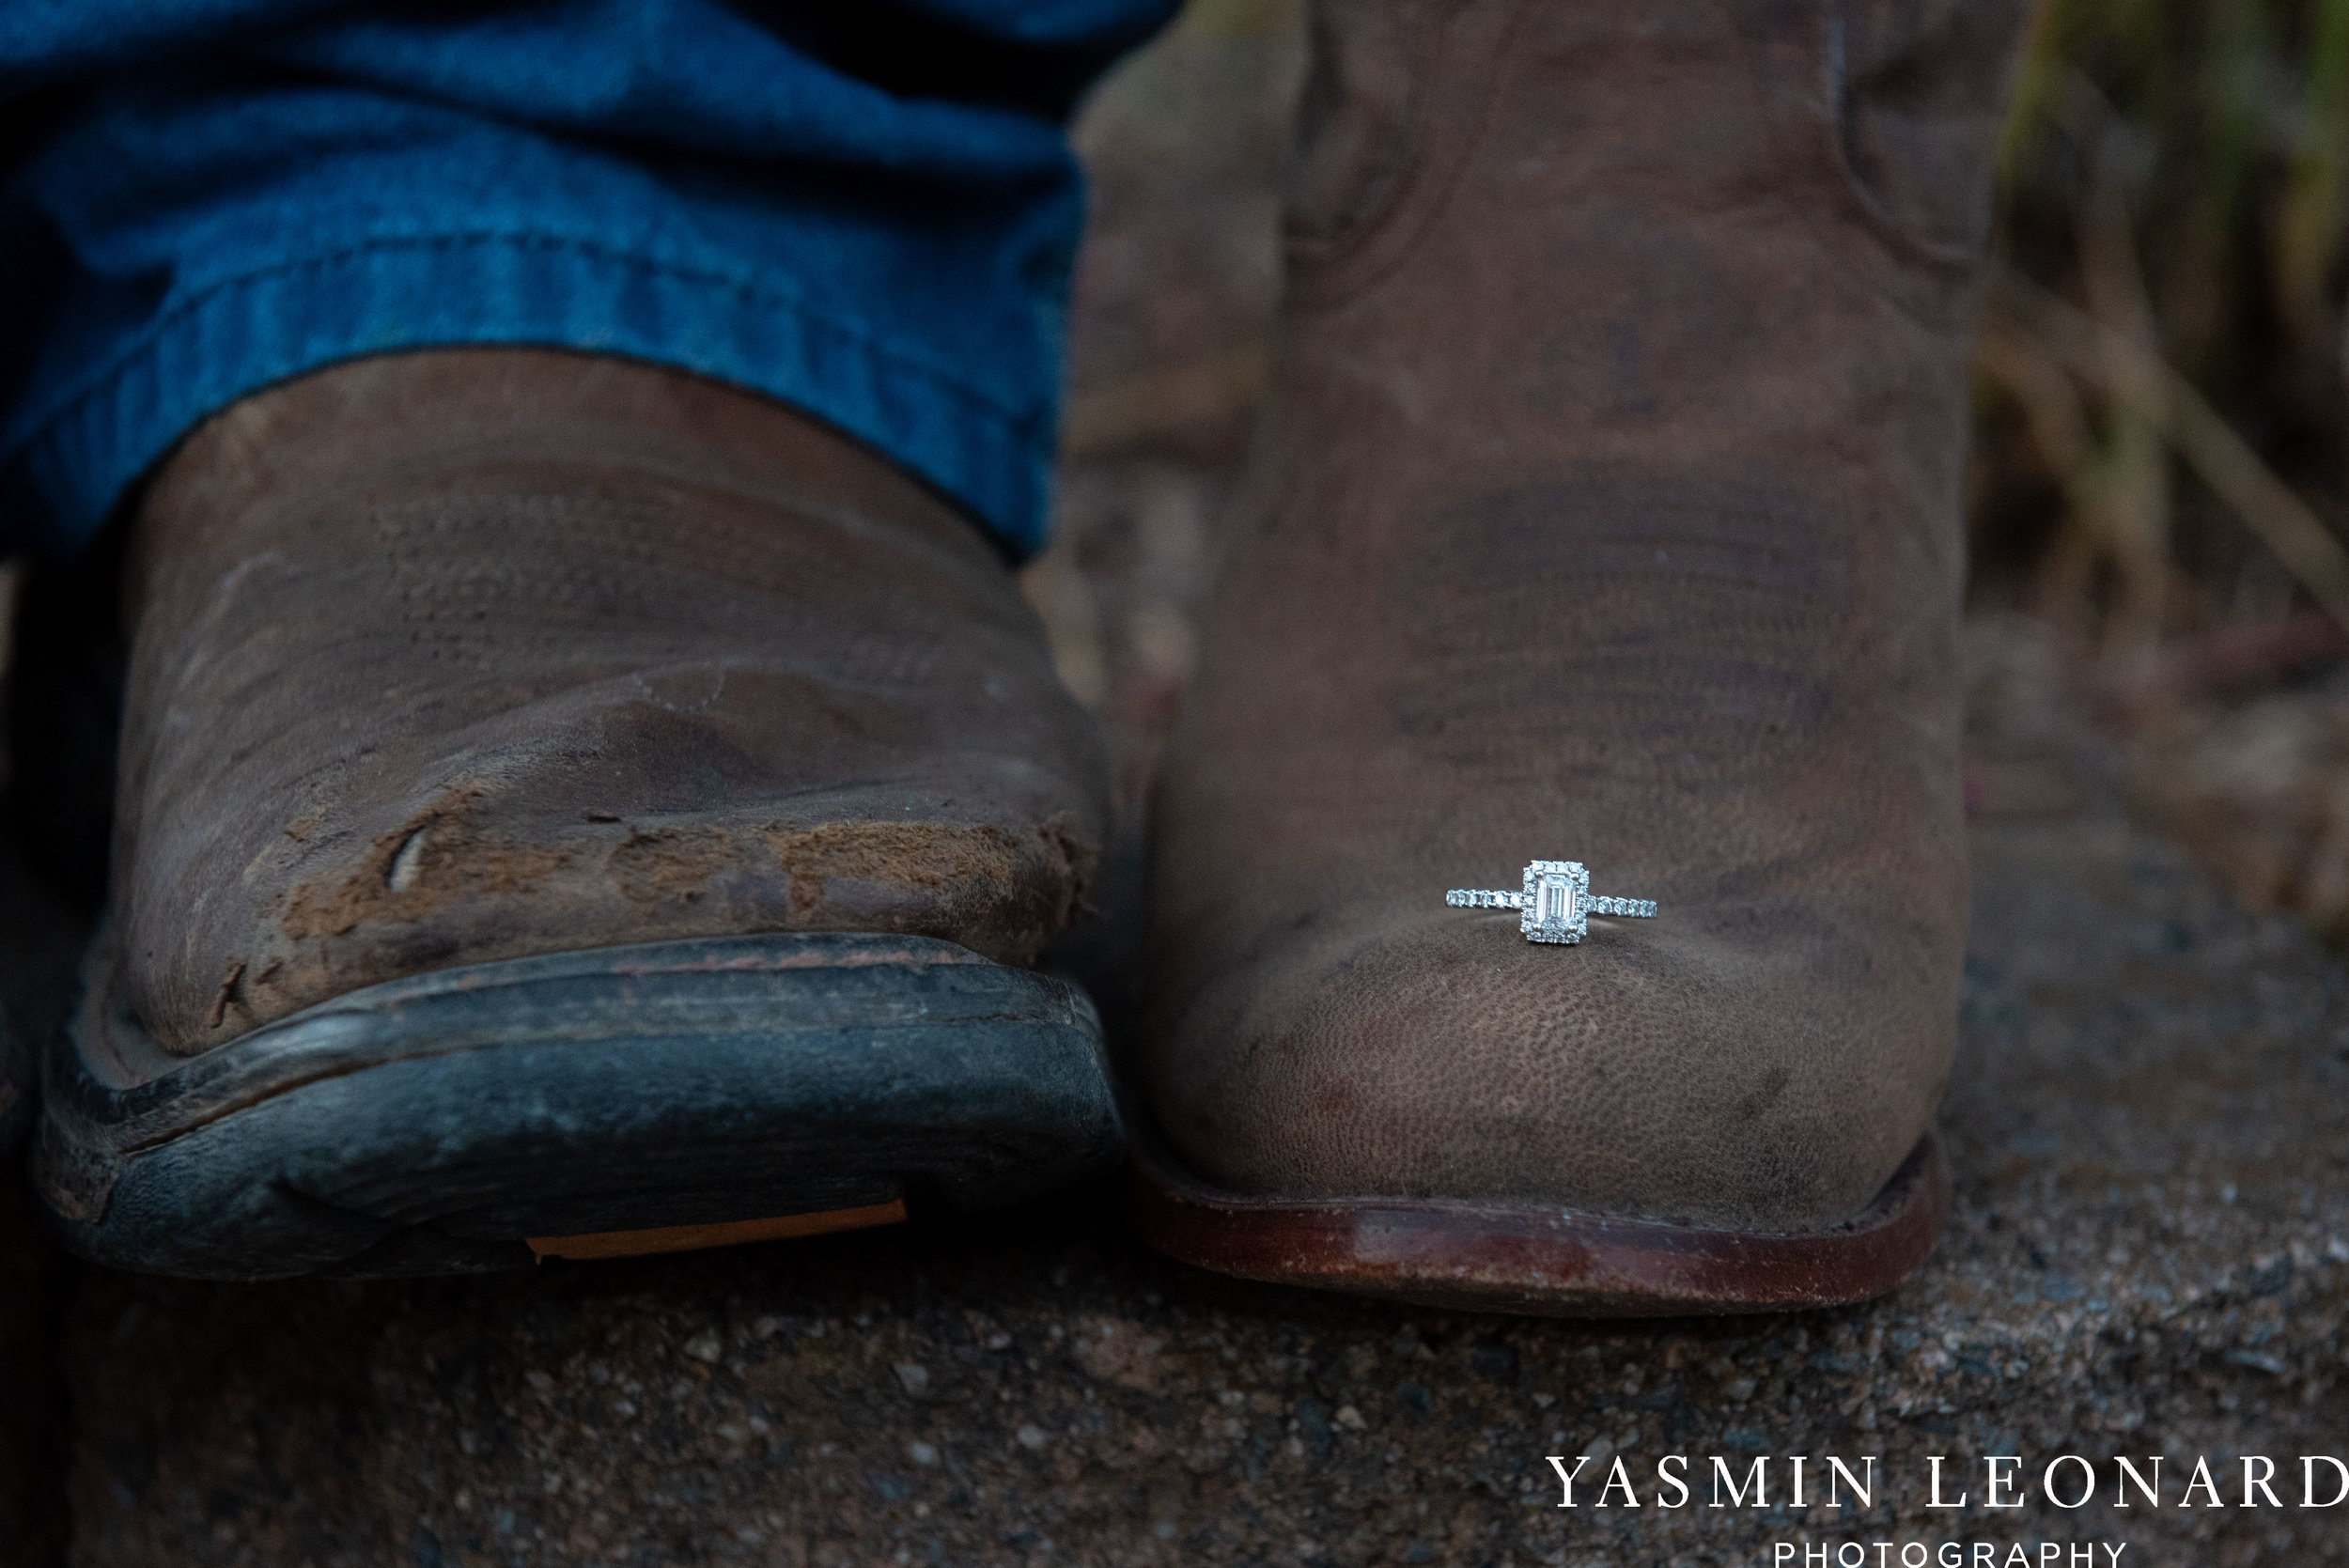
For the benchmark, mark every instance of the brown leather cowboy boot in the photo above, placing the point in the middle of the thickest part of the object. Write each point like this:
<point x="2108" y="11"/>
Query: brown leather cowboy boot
<point x="567" y="807"/>
<point x="1606" y="511"/>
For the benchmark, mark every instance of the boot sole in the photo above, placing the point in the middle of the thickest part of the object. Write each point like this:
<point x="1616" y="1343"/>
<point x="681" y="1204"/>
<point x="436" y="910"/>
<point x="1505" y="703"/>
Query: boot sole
<point x="627" y="1099"/>
<point x="1538" y="1260"/>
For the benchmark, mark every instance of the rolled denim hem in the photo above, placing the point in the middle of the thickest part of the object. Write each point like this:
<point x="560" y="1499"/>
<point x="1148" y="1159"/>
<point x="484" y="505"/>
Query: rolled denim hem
<point x="63" y="468"/>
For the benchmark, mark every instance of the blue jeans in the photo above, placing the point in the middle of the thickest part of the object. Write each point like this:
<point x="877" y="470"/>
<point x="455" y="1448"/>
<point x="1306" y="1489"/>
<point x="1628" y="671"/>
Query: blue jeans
<point x="865" y="210"/>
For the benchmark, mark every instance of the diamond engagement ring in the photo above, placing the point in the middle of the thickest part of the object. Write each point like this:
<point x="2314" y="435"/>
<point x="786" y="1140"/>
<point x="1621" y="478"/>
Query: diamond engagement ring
<point x="1557" y="902"/>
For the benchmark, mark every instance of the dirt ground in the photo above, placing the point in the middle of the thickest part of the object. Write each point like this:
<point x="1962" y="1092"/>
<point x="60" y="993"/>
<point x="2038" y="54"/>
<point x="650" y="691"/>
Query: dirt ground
<point x="2148" y="1254"/>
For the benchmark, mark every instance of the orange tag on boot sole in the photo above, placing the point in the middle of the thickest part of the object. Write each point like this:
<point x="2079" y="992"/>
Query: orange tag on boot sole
<point x="734" y="1232"/>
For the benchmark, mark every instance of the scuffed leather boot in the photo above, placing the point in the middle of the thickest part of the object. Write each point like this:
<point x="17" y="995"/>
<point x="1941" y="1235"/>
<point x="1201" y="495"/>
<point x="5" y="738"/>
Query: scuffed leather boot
<point x="1606" y="510"/>
<point x="567" y="807"/>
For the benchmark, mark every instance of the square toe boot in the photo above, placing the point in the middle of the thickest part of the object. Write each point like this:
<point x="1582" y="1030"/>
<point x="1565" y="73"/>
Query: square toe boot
<point x="567" y="807"/>
<point x="1606" y="511"/>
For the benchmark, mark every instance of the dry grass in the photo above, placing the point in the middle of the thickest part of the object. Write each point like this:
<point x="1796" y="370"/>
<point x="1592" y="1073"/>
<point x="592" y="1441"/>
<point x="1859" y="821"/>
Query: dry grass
<point x="2162" y="407"/>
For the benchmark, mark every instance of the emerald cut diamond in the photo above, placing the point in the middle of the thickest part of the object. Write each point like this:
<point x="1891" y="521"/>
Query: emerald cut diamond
<point x="1557" y="902"/>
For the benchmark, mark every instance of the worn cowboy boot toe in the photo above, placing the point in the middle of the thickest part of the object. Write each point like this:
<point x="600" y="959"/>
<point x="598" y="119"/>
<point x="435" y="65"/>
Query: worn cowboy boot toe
<point x="1343" y="1095"/>
<point x="566" y="807"/>
<point x="1605" y="512"/>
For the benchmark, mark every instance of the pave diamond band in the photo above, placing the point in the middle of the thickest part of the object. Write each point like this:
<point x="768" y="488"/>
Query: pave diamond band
<point x="1473" y="898"/>
<point x="1556" y="902"/>
<point x="1633" y="909"/>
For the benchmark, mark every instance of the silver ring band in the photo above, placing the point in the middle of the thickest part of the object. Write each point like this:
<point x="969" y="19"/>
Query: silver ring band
<point x="1478" y="898"/>
<point x="1555" y="904"/>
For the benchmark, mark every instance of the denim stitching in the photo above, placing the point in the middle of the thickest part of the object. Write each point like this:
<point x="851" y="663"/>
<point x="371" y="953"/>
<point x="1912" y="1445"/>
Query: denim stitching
<point x="859" y="337"/>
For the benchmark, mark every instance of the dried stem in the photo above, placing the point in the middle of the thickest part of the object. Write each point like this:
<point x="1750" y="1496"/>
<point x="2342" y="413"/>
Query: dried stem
<point x="2167" y="402"/>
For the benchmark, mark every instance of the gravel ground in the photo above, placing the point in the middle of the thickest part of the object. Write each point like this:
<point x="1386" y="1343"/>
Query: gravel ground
<point x="2149" y="1255"/>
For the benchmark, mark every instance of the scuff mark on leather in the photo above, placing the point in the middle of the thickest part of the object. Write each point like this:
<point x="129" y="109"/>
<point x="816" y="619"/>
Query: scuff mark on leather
<point x="675" y="862"/>
<point x="447" y="859"/>
<point x="1079" y="856"/>
<point x="226" y="995"/>
<point x="974" y="861"/>
<point x="1000" y="892"/>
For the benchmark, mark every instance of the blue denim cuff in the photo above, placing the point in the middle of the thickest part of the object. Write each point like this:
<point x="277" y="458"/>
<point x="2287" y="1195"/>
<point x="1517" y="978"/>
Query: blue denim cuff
<point x="869" y="218"/>
<point x="63" y="464"/>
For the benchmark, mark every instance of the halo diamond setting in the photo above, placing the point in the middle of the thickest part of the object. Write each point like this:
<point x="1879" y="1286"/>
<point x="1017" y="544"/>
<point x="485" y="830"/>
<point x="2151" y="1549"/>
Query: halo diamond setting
<point x="1556" y="902"/>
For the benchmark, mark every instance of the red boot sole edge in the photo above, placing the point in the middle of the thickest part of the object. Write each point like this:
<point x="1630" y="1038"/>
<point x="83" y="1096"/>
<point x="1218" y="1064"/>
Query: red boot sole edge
<point x="1538" y="1260"/>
